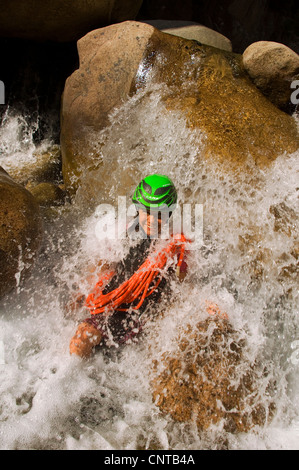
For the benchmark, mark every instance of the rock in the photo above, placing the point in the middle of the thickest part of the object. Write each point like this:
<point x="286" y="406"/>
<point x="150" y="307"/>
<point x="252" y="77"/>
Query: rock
<point x="193" y="31"/>
<point x="109" y="59"/>
<point x="20" y="232"/>
<point x="272" y="68"/>
<point x="285" y="219"/>
<point x="47" y="194"/>
<point x="202" y="34"/>
<point x="207" y="86"/>
<point x="56" y="20"/>
<point x="210" y="380"/>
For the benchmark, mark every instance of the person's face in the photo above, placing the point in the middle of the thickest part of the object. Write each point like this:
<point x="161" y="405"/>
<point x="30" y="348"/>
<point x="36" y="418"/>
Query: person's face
<point x="151" y="223"/>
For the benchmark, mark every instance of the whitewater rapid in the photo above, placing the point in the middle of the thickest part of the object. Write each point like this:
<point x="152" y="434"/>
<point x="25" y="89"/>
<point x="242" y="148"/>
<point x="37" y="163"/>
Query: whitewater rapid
<point x="50" y="400"/>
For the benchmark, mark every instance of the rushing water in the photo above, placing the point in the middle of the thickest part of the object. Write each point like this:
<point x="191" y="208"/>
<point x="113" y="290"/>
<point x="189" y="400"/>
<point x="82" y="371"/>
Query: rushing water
<point x="246" y="264"/>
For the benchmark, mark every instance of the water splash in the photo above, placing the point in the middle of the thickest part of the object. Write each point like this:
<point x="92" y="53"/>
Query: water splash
<point x="17" y="144"/>
<point x="247" y="266"/>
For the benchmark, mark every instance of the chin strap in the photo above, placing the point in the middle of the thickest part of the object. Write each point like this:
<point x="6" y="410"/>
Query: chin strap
<point x="141" y="284"/>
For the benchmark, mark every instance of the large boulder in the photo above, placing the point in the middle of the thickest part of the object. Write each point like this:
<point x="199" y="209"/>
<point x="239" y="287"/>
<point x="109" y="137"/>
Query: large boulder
<point x="109" y="60"/>
<point x="207" y="86"/>
<point x="272" y="67"/>
<point x="20" y="232"/>
<point x="210" y="380"/>
<point x="61" y="20"/>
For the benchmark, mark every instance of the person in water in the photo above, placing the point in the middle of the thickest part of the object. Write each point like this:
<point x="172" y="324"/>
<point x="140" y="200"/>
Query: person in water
<point x="120" y="308"/>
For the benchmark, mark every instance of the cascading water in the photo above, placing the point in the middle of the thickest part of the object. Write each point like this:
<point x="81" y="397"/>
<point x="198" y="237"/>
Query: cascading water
<point x="17" y="146"/>
<point x="246" y="264"/>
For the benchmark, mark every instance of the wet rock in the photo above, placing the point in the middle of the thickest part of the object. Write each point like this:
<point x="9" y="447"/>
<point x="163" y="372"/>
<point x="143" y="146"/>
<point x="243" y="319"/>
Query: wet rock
<point x="109" y="59"/>
<point x="210" y="380"/>
<point x="20" y="232"/>
<point x="285" y="220"/>
<point x="56" y="20"/>
<point x="209" y="87"/>
<point x="272" y="67"/>
<point x="47" y="194"/>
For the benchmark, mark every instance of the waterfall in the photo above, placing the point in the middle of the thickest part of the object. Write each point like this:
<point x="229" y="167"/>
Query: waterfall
<point x="246" y="264"/>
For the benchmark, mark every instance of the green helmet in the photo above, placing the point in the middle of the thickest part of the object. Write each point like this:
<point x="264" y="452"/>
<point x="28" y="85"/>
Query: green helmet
<point x="155" y="192"/>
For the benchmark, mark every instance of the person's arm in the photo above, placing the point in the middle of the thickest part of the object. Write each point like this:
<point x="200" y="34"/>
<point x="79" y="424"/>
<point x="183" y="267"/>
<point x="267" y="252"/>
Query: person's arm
<point x="94" y="274"/>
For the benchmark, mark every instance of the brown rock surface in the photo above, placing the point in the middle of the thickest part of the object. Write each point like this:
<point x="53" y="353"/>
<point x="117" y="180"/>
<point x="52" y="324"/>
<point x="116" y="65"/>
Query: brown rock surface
<point x="209" y="380"/>
<point x="109" y="59"/>
<point x="47" y="194"/>
<point x="272" y="67"/>
<point x="20" y="232"/>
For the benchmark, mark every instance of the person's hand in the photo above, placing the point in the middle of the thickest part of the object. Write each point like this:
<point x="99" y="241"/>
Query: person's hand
<point x="84" y="340"/>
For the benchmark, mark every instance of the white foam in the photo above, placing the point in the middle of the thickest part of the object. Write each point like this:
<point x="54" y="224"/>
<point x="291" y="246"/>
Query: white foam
<point x="51" y="400"/>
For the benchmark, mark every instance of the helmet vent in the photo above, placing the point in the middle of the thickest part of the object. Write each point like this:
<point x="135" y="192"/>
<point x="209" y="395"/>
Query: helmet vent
<point x="147" y="187"/>
<point x="161" y="191"/>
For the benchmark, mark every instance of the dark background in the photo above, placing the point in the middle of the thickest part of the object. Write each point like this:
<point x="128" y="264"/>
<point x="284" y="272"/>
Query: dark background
<point x="242" y="21"/>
